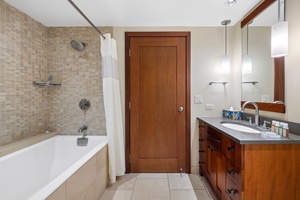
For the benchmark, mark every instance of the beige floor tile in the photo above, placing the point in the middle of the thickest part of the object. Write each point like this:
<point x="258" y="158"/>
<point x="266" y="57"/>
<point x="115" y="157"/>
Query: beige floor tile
<point x="153" y="175"/>
<point x="151" y="189"/>
<point x="196" y="182"/>
<point x="116" y="195"/>
<point x="189" y="195"/>
<point x="176" y="181"/>
<point x="209" y="191"/>
<point x="125" y="182"/>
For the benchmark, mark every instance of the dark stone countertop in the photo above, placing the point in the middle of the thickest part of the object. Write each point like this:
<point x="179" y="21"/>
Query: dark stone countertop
<point x="247" y="138"/>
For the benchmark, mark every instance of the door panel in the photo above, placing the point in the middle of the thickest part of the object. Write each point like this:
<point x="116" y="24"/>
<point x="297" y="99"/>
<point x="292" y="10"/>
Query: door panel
<point x="158" y="87"/>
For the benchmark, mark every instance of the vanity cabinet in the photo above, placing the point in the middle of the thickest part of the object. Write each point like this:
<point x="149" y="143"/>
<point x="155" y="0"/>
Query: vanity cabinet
<point x="202" y="147"/>
<point x="248" y="171"/>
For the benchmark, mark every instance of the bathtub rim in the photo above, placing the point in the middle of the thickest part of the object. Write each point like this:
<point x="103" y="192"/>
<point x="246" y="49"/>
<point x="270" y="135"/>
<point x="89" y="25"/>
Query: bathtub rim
<point x="21" y="144"/>
<point x="48" y="189"/>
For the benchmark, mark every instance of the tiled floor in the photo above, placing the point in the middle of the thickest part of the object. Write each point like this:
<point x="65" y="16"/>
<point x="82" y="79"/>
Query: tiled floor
<point x="162" y="186"/>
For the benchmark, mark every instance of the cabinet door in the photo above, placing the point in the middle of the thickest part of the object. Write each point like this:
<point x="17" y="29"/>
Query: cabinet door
<point x="202" y="148"/>
<point x="211" y="163"/>
<point x="220" y="174"/>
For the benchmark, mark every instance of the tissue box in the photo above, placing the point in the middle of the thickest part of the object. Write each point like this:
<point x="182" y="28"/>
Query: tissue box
<point x="232" y="114"/>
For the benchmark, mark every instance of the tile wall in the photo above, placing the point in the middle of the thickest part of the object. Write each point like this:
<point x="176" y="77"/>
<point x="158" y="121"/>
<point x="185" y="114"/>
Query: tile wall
<point x="23" y="44"/>
<point x="81" y="78"/>
<point x="29" y="52"/>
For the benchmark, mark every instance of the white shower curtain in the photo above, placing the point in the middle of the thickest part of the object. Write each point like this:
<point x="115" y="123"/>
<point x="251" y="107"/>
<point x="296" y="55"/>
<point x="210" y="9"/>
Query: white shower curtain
<point x="112" y="107"/>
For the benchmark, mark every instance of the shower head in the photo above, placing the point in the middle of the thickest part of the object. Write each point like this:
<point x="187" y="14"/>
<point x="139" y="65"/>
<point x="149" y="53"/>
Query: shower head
<point x="79" y="46"/>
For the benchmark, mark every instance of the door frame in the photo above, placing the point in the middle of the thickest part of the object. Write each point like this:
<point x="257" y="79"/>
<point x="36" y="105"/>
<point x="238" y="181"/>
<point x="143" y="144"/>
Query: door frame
<point x="187" y="36"/>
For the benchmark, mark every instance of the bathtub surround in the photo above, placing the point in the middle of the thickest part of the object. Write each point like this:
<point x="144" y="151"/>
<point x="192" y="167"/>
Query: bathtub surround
<point x="89" y="182"/>
<point x="29" y="52"/>
<point x="112" y="106"/>
<point x="81" y="171"/>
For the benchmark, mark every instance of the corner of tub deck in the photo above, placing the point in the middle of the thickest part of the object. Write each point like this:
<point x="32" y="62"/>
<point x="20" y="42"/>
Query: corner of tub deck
<point x="15" y="146"/>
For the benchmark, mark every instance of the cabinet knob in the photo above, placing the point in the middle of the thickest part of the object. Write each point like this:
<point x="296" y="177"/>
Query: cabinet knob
<point x="230" y="148"/>
<point x="201" y="162"/>
<point x="231" y="191"/>
<point x="230" y="171"/>
<point x="201" y="151"/>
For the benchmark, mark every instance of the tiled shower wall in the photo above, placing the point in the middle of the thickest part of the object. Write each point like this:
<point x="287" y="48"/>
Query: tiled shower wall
<point x="29" y="52"/>
<point x="81" y="78"/>
<point x="23" y="107"/>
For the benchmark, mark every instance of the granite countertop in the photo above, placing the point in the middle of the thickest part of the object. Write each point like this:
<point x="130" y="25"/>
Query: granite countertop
<point x="247" y="138"/>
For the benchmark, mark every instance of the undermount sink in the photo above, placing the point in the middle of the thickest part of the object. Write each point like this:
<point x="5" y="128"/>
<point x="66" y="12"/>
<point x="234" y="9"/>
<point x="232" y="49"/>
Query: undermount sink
<point x="240" y="127"/>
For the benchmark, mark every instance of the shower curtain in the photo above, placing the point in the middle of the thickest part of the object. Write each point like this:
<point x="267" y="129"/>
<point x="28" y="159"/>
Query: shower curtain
<point x="112" y="107"/>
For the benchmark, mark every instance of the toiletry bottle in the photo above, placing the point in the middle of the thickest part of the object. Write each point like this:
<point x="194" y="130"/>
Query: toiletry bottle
<point x="285" y="130"/>
<point x="280" y="128"/>
<point x="276" y="127"/>
<point x="273" y="126"/>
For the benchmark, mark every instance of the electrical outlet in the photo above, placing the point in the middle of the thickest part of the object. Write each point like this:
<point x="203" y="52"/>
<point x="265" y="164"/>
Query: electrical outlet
<point x="209" y="106"/>
<point x="198" y="99"/>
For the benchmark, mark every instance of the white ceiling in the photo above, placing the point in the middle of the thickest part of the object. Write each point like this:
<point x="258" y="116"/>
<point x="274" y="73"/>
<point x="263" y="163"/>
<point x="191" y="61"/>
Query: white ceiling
<point x="134" y="12"/>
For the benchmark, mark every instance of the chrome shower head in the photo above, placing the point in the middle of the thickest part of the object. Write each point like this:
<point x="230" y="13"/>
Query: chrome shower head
<point x="79" y="46"/>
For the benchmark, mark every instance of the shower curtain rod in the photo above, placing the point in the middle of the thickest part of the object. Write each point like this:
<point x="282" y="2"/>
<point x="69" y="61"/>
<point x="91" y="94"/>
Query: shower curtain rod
<point x="85" y="17"/>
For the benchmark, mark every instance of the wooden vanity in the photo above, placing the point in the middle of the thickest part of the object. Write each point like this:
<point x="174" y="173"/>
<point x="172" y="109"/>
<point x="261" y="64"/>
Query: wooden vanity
<point x="245" y="169"/>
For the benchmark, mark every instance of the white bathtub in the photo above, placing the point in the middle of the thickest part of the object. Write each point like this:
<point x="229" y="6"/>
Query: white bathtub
<point x="36" y="171"/>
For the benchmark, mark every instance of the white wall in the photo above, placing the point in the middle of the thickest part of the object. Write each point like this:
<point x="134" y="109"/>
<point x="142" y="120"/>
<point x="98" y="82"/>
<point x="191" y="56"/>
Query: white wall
<point x="292" y="62"/>
<point x="207" y="47"/>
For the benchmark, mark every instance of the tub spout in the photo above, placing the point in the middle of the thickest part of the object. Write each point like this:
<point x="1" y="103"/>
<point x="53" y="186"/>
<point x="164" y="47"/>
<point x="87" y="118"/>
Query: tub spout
<point x="81" y="129"/>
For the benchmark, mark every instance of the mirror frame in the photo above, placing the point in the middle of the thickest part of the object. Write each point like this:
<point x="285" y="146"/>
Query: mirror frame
<point x="278" y="67"/>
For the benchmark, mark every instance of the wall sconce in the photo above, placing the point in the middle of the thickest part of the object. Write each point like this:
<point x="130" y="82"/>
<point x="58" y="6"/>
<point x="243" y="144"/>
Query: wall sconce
<point x="247" y="60"/>
<point x="279" y="36"/>
<point x="225" y="58"/>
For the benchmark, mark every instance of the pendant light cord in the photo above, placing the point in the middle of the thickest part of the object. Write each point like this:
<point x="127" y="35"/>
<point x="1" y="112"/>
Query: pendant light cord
<point x="225" y="39"/>
<point x="247" y="38"/>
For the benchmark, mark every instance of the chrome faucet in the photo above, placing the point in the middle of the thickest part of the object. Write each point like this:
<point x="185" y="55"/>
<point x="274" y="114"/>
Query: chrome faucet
<point x="81" y="129"/>
<point x="256" y="110"/>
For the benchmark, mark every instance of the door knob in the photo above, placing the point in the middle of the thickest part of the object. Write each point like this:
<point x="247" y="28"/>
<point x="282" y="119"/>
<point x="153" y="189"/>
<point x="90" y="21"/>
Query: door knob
<point x="180" y="109"/>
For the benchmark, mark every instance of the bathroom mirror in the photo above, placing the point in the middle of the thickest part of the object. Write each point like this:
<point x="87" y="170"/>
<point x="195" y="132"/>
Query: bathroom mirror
<point x="264" y="83"/>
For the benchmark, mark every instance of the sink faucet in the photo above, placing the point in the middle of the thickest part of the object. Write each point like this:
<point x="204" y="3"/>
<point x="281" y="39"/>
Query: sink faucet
<point x="256" y="110"/>
<point x="81" y="129"/>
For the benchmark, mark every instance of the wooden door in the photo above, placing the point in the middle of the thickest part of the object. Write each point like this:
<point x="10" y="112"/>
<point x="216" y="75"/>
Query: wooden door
<point x="159" y="102"/>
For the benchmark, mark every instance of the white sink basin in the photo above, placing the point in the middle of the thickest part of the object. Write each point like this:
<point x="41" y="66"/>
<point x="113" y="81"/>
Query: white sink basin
<point x="239" y="127"/>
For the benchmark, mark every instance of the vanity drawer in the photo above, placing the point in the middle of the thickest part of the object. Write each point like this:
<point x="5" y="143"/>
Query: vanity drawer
<point x="232" y="191"/>
<point x="233" y="150"/>
<point x="214" y="137"/>
<point x="234" y="173"/>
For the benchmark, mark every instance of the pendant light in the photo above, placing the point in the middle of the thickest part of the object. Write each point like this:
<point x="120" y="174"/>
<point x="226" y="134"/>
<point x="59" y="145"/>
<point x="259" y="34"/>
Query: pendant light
<point x="279" y="36"/>
<point x="230" y="2"/>
<point x="247" y="60"/>
<point x="225" y="58"/>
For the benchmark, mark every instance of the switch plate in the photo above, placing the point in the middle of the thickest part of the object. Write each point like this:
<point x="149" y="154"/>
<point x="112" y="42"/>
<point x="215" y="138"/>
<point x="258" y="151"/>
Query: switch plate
<point x="209" y="106"/>
<point x="198" y="99"/>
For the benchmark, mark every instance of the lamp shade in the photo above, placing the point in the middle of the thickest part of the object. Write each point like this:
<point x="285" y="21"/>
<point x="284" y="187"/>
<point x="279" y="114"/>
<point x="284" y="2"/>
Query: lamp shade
<point x="225" y="64"/>
<point x="247" y="64"/>
<point x="279" y="39"/>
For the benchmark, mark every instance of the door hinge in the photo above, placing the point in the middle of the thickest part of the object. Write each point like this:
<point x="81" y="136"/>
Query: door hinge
<point x="129" y="52"/>
<point x="129" y="105"/>
<point x="130" y="158"/>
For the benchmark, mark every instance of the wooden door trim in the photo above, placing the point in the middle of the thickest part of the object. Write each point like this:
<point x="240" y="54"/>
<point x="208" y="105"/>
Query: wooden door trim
<point x="187" y="35"/>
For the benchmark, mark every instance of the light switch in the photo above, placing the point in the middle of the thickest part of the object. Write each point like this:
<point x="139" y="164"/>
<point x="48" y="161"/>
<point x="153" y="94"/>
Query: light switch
<point x="198" y="99"/>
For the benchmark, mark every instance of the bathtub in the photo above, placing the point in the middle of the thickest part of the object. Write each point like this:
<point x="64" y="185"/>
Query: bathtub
<point x="37" y="171"/>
